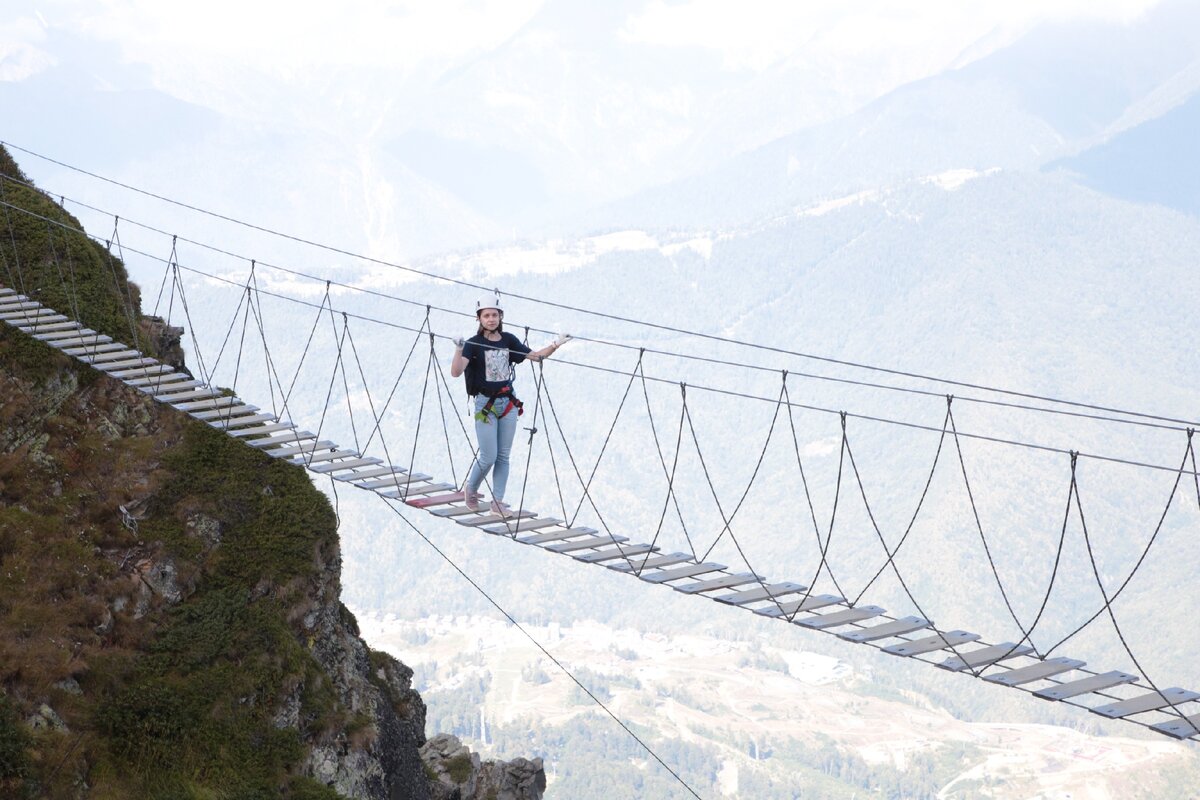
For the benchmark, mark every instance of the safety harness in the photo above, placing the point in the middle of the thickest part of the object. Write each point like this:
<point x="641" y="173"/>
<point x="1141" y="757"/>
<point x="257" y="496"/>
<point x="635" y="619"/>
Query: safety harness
<point x="487" y="410"/>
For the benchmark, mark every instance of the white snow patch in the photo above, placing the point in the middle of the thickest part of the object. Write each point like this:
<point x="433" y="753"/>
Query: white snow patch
<point x="813" y="668"/>
<point x="955" y="178"/>
<point x="858" y="198"/>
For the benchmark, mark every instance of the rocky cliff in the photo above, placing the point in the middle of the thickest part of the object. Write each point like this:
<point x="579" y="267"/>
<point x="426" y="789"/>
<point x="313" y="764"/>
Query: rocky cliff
<point x="170" y="623"/>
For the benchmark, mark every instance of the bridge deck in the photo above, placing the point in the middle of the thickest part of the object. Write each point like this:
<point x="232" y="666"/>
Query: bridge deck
<point x="1112" y="694"/>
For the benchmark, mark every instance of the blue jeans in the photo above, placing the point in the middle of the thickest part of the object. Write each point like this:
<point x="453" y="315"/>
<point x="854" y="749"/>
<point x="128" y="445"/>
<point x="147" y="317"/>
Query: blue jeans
<point x="495" y="439"/>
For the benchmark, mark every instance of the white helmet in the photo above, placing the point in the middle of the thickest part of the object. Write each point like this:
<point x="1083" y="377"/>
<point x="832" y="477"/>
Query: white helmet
<point x="488" y="302"/>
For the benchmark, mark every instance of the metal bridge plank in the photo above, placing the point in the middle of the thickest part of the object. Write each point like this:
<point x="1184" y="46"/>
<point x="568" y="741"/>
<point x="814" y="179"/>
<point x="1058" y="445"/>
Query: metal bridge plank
<point x="797" y="606"/>
<point x="326" y="469"/>
<point x="555" y="536"/>
<point x="288" y="438"/>
<point x="397" y="479"/>
<point x="984" y="656"/>
<point x="767" y="592"/>
<point x="939" y="641"/>
<point x="587" y="544"/>
<point x="651" y="562"/>
<point x="145" y="371"/>
<point x="1094" y="683"/>
<point x="1184" y="728"/>
<point x="228" y="413"/>
<point x="1035" y="672"/>
<point x="96" y="349"/>
<point x="238" y="422"/>
<point x="682" y="572"/>
<point x="897" y="627"/>
<point x="371" y="473"/>
<point x="261" y="430"/>
<point x="836" y="618"/>
<point x="304" y="449"/>
<point x="523" y="525"/>
<point x="620" y="551"/>
<point x="720" y="583"/>
<point x="414" y="489"/>
<point x="492" y="519"/>
<point x="1151" y="701"/>
<point x="304" y="459"/>
<point x="47" y="325"/>
<point x="158" y="381"/>
<point x="436" y="500"/>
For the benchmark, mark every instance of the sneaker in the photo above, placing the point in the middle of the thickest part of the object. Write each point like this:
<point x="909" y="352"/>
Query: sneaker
<point x="471" y="499"/>
<point x="502" y="508"/>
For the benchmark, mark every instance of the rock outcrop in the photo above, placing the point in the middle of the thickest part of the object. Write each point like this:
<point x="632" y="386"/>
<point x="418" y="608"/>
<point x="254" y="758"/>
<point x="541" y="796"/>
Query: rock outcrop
<point x="458" y="774"/>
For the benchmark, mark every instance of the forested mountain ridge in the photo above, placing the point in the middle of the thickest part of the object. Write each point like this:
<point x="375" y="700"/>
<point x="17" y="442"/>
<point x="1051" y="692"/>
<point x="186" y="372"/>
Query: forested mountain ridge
<point x="169" y="600"/>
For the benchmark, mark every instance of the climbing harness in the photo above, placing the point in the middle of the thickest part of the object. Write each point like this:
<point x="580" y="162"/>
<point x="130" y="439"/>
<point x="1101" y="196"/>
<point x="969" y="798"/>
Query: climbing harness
<point x="489" y="411"/>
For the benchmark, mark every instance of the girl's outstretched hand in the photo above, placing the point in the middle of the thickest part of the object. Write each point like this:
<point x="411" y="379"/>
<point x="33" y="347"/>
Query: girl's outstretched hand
<point x="562" y="338"/>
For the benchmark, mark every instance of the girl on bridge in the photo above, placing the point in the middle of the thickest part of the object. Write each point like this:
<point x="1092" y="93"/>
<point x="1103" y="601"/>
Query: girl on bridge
<point x="488" y="360"/>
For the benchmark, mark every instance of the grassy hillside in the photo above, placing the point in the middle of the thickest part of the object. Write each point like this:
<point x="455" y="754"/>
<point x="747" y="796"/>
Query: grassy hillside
<point x="169" y="605"/>
<point x="44" y="259"/>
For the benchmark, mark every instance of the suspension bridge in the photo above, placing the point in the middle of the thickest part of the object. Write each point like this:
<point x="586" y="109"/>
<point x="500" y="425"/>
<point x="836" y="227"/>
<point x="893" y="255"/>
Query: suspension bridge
<point x="384" y="462"/>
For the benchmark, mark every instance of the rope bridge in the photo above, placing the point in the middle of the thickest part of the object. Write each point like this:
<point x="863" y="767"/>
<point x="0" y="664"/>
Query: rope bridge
<point x="394" y="475"/>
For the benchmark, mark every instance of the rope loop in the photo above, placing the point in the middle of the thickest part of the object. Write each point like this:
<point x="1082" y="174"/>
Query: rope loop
<point x="842" y="415"/>
<point x="949" y="400"/>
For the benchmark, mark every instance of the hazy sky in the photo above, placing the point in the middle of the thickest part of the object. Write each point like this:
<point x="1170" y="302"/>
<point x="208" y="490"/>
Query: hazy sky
<point x="409" y="38"/>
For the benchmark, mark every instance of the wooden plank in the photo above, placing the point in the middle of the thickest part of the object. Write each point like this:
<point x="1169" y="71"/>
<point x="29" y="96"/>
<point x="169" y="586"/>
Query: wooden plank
<point x="262" y="430"/>
<point x="142" y="372"/>
<point x="836" y="618"/>
<point x="168" y="390"/>
<point x="455" y="511"/>
<point x="61" y="336"/>
<point x="897" y="627"/>
<point x="228" y="413"/>
<point x="124" y="354"/>
<point x="1151" y="701"/>
<point x="120" y="366"/>
<point x="239" y="422"/>
<point x="18" y="317"/>
<point x="326" y="469"/>
<point x="100" y="348"/>
<point x="370" y="473"/>
<point x="46" y="326"/>
<point x="305" y="449"/>
<point x="319" y="458"/>
<point x="939" y="641"/>
<point x="1184" y="728"/>
<point x="1094" y="683"/>
<point x="492" y="519"/>
<point x="984" y="656"/>
<point x="523" y="525"/>
<point x="798" y="606"/>
<point x="159" y="381"/>
<point x="767" y="592"/>
<point x="651" y="562"/>
<point x="619" y="551"/>
<point x="1034" y="672"/>
<point x="437" y="500"/>
<point x="61" y="342"/>
<point x="556" y="536"/>
<point x="18" y="305"/>
<point x="218" y="402"/>
<point x="676" y="573"/>
<point x="186" y="393"/>
<point x="725" y="582"/>
<point x="394" y="480"/>
<point x="275" y="441"/>
<point x="586" y="544"/>
<point x="409" y="491"/>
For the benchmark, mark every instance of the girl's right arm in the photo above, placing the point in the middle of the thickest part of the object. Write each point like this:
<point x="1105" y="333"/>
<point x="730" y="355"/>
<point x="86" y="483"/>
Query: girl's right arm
<point x="459" y="362"/>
